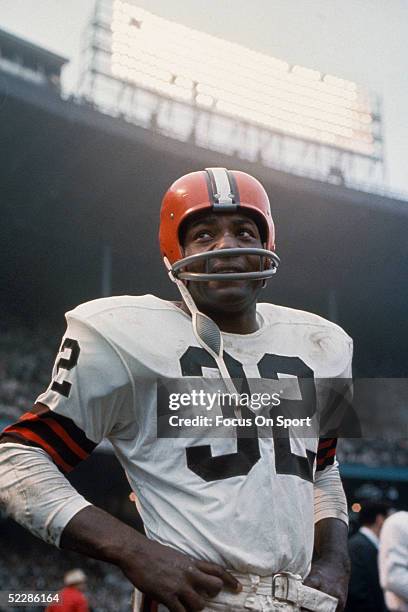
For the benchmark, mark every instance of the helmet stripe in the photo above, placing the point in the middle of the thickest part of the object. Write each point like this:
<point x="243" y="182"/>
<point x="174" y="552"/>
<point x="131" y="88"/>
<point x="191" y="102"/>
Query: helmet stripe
<point x="222" y="189"/>
<point x="234" y="187"/>
<point x="210" y="180"/>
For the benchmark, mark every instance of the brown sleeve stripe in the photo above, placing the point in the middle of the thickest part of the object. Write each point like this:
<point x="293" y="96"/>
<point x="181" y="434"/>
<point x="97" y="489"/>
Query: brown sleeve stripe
<point x="324" y="462"/>
<point x="41" y="429"/>
<point x="50" y="430"/>
<point x="60" y="431"/>
<point x="27" y="434"/>
<point x="326" y="451"/>
<point x="326" y="443"/>
<point x="74" y="432"/>
<point x="328" y="455"/>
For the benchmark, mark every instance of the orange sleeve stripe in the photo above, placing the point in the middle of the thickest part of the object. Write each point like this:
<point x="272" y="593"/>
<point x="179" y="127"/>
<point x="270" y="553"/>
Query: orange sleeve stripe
<point x="328" y="455"/>
<point x="60" y="431"/>
<point x="325" y="443"/>
<point x="29" y="435"/>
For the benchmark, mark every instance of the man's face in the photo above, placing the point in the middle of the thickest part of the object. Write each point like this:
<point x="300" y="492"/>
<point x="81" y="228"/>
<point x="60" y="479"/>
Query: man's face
<point x="81" y="586"/>
<point x="213" y="231"/>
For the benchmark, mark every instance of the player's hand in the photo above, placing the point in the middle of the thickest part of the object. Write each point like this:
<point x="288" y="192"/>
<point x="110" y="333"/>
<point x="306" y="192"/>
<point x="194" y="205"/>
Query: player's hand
<point x="180" y="583"/>
<point x="331" y="577"/>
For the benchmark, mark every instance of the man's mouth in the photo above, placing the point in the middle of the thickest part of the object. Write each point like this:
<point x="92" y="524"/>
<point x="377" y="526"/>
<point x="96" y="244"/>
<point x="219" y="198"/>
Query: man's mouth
<point x="227" y="270"/>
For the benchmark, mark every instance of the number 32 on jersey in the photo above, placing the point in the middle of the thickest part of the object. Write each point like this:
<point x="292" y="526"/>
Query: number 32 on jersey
<point x="200" y="459"/>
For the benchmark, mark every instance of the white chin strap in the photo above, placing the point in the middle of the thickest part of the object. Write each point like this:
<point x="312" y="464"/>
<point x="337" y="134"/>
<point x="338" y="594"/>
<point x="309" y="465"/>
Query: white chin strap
<point x="208" y="335"/>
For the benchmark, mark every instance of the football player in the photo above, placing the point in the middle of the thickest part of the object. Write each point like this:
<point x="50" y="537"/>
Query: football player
<point x="232" y="523"/>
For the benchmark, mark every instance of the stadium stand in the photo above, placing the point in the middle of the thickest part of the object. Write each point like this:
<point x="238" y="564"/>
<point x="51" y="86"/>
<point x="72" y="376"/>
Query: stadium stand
<point x="26" y="357"/>
<point x="44" y="567"/>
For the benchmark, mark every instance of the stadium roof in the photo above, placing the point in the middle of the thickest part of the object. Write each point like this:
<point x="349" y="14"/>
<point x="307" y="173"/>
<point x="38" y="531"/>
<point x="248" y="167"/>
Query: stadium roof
<point x="83" y="113"/>
<point x="12" y="45"/>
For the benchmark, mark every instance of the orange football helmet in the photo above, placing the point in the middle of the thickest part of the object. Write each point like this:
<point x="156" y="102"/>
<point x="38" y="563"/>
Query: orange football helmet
<point x="216" y="189"/>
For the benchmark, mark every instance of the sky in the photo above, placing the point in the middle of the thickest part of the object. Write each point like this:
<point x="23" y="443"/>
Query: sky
<point x="360" y="40"/>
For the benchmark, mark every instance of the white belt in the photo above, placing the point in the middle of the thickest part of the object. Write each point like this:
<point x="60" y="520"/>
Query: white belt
<point x="283" y="587"/>
<point x="286" y="587"/>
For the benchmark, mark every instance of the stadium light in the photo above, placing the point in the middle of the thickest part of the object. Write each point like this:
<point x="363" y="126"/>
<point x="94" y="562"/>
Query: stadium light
<point x="194" y="87"/>
<point x="187" y="65"/>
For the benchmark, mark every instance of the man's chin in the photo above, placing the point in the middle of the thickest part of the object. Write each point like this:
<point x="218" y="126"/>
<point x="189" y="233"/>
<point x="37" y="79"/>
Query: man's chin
<point x="231" y="295"/>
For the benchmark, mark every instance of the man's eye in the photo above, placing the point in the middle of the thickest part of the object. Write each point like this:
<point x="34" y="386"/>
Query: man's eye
<point x="202" y="235"/>
<point x="246" y="233"/>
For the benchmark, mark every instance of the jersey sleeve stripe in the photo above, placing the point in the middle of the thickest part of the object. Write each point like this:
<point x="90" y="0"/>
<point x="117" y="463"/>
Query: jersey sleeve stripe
<point x="42" y="430"/>
<point x="325" y="443"/>
<point x="325" y="461"/>
<point x="53" y="434"/>
<point x="74" y="432"/>
<point x="27" y="434"/>
<point x="329" y="454"/>
<point x="326" y="452"/>
<point x="60" y="431"/>
<point x="325" y="446"/>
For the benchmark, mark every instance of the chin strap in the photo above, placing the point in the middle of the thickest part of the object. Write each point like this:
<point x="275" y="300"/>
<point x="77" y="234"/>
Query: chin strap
<point x="208" y="335"/>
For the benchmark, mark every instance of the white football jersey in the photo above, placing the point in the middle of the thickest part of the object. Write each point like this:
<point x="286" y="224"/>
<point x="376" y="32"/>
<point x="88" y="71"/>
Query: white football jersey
<point x="245" y="503"/>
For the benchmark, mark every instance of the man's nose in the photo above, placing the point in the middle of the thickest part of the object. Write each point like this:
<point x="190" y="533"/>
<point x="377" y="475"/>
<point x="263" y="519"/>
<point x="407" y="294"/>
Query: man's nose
<point x="226" y="241"/>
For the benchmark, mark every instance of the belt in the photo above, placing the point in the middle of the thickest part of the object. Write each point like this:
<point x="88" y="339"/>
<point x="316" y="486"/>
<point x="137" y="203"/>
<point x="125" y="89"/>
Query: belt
<point x="282" y="587"/>
<point x="289" y="588"/>
<point x="286" y="587"/>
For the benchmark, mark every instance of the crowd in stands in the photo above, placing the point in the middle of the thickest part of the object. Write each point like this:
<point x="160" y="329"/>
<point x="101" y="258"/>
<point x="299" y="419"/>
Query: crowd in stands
<point x="26" y="360"/>
<point x="32" y="565"/>
<point x="373" y="453"/>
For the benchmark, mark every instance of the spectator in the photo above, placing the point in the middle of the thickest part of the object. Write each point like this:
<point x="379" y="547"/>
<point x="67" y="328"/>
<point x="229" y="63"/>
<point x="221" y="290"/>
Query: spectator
<point x="72" y="598"/>
<point x="365" y="593"/>
<point x="393" y="562"/>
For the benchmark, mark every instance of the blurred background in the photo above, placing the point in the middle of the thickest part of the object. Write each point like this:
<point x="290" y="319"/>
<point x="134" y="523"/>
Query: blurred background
<point x="103" y="104"/>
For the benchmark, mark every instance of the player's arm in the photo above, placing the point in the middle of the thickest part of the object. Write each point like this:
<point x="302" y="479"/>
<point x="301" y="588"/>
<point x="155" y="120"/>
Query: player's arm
<point x="330" y="571"/>
<point x="88" y="399"/>
<point x="176" y="580"/>
<point x="37" y="495"/>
